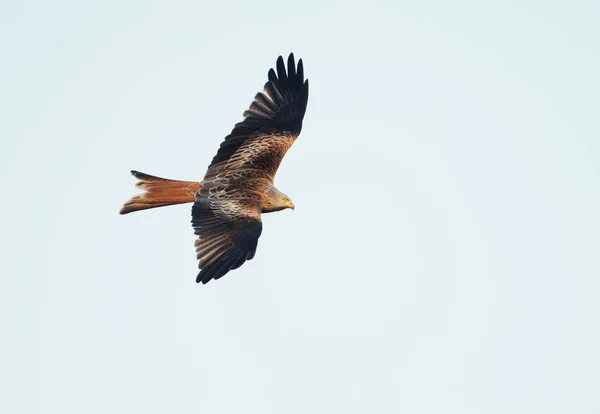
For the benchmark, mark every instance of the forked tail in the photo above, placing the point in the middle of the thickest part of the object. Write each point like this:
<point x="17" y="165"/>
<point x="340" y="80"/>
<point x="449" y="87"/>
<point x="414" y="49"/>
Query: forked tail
<point x="159" y="192"/>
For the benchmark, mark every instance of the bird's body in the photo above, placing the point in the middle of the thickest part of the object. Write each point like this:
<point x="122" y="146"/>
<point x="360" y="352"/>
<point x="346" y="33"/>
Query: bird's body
<point x="239" y="184"/>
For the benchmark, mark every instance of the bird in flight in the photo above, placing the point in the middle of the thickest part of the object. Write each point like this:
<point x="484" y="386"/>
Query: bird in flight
<point x="238" y="186"/>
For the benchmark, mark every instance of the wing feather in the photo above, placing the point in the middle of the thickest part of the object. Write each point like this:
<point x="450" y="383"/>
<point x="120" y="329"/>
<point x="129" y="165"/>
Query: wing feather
<point x="228" y="232"/>
<point x="275" y="114"/>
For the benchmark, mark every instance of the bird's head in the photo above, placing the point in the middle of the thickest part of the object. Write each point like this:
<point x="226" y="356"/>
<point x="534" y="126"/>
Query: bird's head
<point x="277" y="201"/>
<point x="286" y="202"/>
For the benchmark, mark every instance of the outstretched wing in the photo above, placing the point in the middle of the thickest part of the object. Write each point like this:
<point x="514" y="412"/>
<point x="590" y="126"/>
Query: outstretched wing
<point x="270" y="125"/>
<point x="228" y="232"/>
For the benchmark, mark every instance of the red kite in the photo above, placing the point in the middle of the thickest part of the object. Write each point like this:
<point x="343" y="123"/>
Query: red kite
<point x="238" y="186"/>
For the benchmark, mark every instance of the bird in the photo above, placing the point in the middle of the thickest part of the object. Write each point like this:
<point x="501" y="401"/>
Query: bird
<point x="238" y="186"/>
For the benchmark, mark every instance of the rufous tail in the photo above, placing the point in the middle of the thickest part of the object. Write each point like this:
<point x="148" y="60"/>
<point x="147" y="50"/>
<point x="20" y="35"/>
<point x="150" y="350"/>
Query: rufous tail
<point x="159" y="192"/>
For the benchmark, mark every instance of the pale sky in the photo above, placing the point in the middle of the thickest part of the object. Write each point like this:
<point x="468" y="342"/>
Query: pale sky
<point x="443" y="254"/>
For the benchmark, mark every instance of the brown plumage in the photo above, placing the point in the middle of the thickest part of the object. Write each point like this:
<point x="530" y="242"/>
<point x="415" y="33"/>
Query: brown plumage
<point x="238" y="185"/>
<point x="159" y="192"/>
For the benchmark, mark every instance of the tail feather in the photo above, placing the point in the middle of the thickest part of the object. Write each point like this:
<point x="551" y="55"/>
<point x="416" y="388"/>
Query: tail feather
<point x="159" y="192"/>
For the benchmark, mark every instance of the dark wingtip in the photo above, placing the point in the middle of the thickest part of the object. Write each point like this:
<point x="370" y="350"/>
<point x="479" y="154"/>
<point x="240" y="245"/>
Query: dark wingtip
<point x="281" y="70"/>
<point x="291" y="63"/>
<point x="300" y="71"/>
<point x="202" y="277"/>
<point x="279" y="61"/>
<point x="293" y="71"/>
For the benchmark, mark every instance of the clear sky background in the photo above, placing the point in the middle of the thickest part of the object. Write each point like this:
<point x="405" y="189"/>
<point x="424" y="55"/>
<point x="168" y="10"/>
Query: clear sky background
<point x="443" y="256"/>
